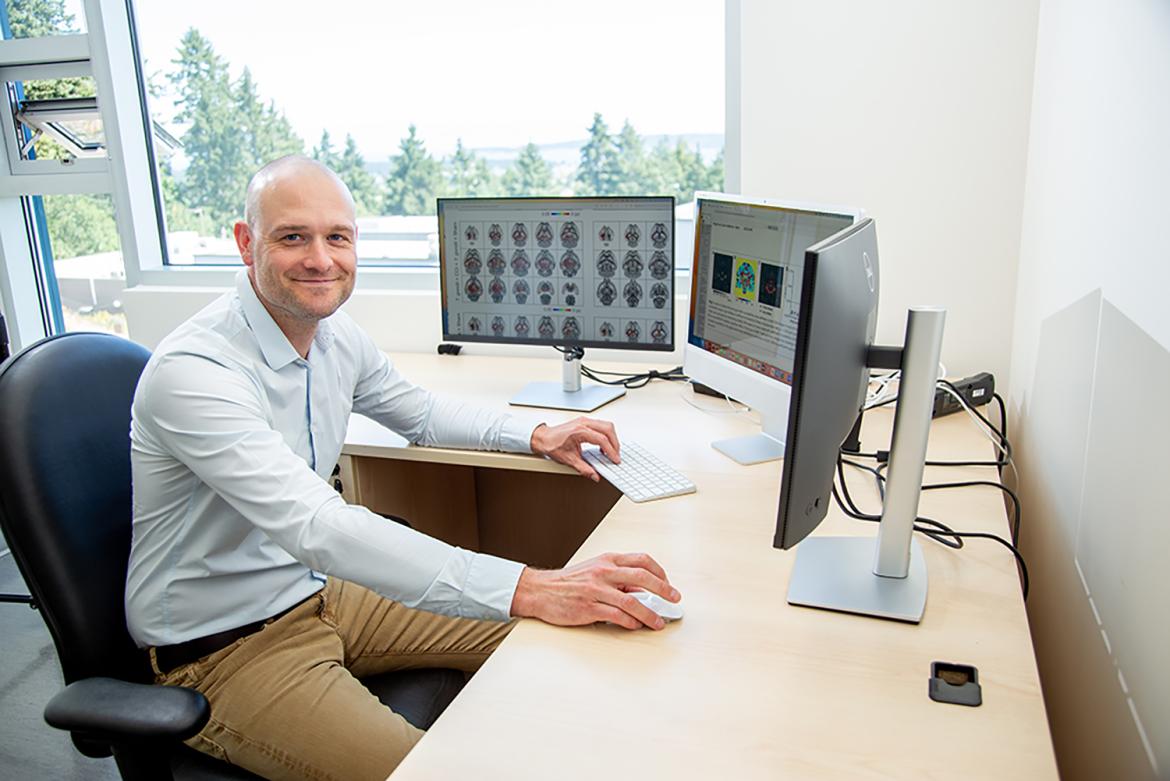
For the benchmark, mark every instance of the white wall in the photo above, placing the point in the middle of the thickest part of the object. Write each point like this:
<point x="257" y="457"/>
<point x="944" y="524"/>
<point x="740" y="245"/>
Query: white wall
<point x="1090" y="368"/>
<point x="917" y="111"/>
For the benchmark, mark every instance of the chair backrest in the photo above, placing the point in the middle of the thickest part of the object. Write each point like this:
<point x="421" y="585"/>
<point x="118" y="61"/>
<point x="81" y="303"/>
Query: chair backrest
<point x="65" y="502"/>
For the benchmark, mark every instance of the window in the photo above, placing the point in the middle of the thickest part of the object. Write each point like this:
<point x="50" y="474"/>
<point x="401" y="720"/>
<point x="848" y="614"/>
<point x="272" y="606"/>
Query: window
<point x="458" y="98"/>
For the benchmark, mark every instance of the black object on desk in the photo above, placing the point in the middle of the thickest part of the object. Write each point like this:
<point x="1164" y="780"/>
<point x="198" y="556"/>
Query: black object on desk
<point x="955" y="683"/>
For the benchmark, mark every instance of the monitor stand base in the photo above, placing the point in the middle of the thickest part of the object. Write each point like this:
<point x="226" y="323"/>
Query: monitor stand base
<point x="552" y="395"/>
<point x="752" y="449"/>
<point x="836" y="573"/>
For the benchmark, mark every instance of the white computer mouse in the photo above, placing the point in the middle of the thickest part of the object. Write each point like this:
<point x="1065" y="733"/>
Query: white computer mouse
<point x="669" y="611"/>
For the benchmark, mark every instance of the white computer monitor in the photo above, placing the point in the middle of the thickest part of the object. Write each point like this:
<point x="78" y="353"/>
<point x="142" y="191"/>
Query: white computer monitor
<point x="745" y="305"/>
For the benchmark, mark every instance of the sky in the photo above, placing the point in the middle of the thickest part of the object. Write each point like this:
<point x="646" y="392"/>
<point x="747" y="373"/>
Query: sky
<point x="492" y="73"/>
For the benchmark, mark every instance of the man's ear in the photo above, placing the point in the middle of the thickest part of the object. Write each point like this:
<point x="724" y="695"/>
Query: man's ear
<point x="243" y="236"/>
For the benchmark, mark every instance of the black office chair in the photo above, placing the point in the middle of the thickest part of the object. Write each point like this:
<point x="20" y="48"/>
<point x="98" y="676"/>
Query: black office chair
<point x="65" y="511"/>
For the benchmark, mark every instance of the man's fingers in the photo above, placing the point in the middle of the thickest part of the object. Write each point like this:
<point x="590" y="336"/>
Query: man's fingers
<point x="584" y="468"/>
<point x="635" y="576"/>
<point x="606" y="429"/>
<point x="633" y="607"/>
<point x="594" y="437"/>
<point x="615" y="616"/>
<point x="643" y="561"/>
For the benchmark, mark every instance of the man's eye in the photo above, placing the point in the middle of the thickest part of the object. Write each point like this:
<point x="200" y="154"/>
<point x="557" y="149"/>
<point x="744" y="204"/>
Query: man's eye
<point x="292" y="237"/>
<point x="341" y="237"/>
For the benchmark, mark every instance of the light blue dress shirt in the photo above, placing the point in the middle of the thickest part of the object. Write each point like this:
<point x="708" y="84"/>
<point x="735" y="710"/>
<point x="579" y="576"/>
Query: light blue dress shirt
<point x="233" y="438"/>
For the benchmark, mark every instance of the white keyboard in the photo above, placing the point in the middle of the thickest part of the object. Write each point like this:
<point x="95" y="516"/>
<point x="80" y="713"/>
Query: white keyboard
<point x="641" y="476"/>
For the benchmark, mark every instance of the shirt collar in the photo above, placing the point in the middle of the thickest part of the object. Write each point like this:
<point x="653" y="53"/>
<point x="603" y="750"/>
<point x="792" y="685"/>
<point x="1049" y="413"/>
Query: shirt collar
<point x="274" y="345"/>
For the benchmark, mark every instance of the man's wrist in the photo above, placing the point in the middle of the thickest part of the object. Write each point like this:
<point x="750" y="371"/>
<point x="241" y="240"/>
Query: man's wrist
<point x="522" y="598"/>
<point x="535" y="442"/>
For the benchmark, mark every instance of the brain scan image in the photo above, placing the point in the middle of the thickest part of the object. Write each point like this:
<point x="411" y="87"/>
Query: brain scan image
<point x="633" y="331"/>
<point x="473" y="325"/>
<point x="658" y="332"/>
<point x="570" y="264"/>
<point x="544" y="292"/>
<point x="745" y="278"/>
<point x="471" y="262"/>
<point x="570" y="235"/>
<point x="520" y="291"/>
<point x="545" y="327"/>
<point x="633" y="234"/>
<point x="473" y="289"/>
<point x="606" y="264"/>
<point x="520" y="263"/>
<point x="658" y="235"/>
<point x="659" y="295"/>
<point x="519" y="234"/>
<point x="545" y="265"/>
<point x="605" y="234"/>
<point x="659" y="265"/>
<point x="497" y="326"/>
<point x="631" y="294"/>
<point x="495" y="234"/>
<point x="632" y="264"/>
<point x="606" y="293"/>
<point x="606" y="330"/>
<point x="472" y="233"/>
<point x="571" y="329"/>
<point x="496" y="264"/>
<point x="569" y="293"/>
<point x="544" y="234"/>
<point x="521" y="326"/>
<point x="496" y="290"/>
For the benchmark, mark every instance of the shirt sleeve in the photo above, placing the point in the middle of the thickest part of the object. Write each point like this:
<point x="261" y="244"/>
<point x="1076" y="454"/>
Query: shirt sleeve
<point x="432" y="419"/>
<point x="211" y="418"/>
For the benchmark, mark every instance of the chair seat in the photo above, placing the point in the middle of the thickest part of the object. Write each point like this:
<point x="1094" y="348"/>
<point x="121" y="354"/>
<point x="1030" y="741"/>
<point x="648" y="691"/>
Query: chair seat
<point x="419" y="696"/>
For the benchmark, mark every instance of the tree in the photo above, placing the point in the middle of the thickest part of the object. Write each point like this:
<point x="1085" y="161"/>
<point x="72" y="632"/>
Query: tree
<point x="230" y="131"/>
<point x="415" y="178"/>
<point x="81" y="224"/>
<point x="468" y="174"/>
<point x="323" y="153"/>
<point x="351" y="167"/>
<point x="530" y="174"/>
<point x="38" y="18"/>
<point x="599" y="170"/>
<point x="631" y="163"/>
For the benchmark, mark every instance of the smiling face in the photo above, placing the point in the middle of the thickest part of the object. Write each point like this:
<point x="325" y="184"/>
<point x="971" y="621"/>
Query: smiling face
<point x="299" y="243"/>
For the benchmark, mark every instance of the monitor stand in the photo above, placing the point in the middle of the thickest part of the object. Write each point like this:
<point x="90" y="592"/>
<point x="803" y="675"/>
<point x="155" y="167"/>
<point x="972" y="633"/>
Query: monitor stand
<point x="768" y="445"/>
<point x="569" y="393"/>
<point x="885" y="578"/>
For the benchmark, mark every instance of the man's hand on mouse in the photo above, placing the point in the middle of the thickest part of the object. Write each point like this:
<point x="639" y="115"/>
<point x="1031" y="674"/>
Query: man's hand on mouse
<point x="563" y="443"/>
<point x="594" y="590"/>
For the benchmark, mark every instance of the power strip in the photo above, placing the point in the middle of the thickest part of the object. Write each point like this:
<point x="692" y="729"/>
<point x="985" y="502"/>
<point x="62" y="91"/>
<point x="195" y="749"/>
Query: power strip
<point x="976" y="390"/>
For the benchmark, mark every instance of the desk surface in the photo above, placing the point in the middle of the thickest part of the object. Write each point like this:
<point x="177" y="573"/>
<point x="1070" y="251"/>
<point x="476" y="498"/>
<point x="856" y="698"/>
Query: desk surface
<point x="745" y="686"/>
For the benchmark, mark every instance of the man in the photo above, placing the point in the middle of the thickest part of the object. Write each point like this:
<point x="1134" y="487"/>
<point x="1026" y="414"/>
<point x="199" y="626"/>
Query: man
<point x="250" y="579"/>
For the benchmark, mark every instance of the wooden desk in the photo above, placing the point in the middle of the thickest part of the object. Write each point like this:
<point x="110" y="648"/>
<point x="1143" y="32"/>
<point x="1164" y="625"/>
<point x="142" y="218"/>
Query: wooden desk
<point x="745" y="686"/>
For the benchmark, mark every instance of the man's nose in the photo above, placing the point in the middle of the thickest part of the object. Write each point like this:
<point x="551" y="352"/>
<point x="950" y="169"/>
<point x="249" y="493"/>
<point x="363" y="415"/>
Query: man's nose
<point x="317" y="257"/>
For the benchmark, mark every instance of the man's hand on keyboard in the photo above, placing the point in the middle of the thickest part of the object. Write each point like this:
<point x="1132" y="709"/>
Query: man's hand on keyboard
<point x="594" y="590"/>
<point x="563" y="443"/>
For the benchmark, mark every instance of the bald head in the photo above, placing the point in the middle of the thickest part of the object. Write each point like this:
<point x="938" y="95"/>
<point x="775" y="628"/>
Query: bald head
<point x="294" y="170"/>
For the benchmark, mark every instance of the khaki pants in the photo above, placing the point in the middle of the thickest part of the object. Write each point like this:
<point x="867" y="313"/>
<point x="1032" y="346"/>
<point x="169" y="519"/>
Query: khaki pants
<point x="285" y="702"/>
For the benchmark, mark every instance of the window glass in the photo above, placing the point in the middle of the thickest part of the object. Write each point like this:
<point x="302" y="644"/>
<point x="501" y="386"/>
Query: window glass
<point x="86" y="259"/>
<point x="409" y="103"/>
<point x="39" y="18"/>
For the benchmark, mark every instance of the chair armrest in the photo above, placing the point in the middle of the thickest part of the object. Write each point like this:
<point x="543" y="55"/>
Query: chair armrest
<point x="108" y="709"/>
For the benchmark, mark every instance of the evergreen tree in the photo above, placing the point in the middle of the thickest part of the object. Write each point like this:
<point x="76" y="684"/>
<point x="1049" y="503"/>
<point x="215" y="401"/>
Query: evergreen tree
<point x="530" y="174"/>
<point x="351" y="167"/>
<point x="468" y="174"/>
<point x="415" y="178"/>
<point x="38" y="18"/>
<point x="599" y="170"/>
<point x="230" y="132"/>
<point x="323" y="153"/>
<point x="81" y="224"/>
<point x="632" y="164"/>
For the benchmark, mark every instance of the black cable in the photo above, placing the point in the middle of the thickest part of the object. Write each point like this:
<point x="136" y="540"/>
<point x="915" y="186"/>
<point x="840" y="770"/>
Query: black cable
<point x="1015" y="552"/>
<point x="626" y="380"/>
<point x="991" y="483"/>
<point x="853" y="511"/>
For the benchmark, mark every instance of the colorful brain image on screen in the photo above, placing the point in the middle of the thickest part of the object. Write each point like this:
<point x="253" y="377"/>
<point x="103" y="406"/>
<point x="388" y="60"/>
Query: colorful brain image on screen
<point x="746" y="274"/>
<point x="771" y="282"/>
<point x="721" y="278"/>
